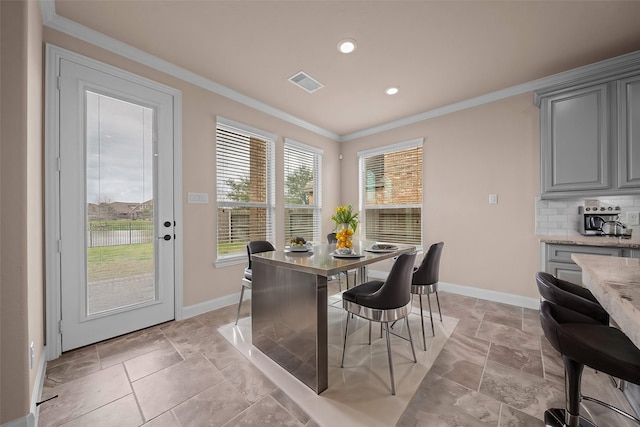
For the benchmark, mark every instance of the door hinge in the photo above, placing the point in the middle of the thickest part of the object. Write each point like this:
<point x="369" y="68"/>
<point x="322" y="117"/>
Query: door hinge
<point x="58" y="164"/>
<point x="59" y="82"/>
<point x="60" y="326"/>
<point x="59" y="246"/>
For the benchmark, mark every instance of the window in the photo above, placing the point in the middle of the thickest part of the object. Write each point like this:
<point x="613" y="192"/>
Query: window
<point x="244" y="182"/>
<point x="391" y="193"/>
<point x="303" y="205"/>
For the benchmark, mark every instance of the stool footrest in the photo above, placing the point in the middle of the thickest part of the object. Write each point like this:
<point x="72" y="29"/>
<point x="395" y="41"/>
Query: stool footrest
<point x="555" y="417"/>
<point x="613" y="408"/>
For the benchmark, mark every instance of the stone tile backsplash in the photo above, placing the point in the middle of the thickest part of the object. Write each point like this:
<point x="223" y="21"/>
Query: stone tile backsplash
<point x="560" y="217"/>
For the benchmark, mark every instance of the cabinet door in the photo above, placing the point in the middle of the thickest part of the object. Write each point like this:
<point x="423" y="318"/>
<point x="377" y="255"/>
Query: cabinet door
<point x="566" y="271"/>
<point x="629" y="132"/>
<point x="575" y="140"/>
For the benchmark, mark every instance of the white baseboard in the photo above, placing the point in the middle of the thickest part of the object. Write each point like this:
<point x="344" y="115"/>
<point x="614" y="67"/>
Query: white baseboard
<point x="37" y="389"/>
<point x="26" y="421"/>
<point x="31" y="419"/>
<point x="470" y="291"/>
<point x="503" y="297"/>
<point x="214" y="304"/>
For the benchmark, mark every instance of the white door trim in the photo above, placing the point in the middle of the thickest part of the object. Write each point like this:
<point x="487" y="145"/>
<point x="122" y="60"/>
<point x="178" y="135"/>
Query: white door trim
<point x="52" y="184"/>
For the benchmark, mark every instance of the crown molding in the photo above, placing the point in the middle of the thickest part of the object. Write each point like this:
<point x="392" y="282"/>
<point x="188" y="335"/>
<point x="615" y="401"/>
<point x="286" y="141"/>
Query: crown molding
<point x="588" y="73"/>
<point x="599" y="70"/>
<point x="67" y="26"/>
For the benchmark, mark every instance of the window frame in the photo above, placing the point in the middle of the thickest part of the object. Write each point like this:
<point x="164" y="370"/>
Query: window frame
<point x="316" y="208"/>
<point x="268" y="205"/>
<point x="362" y="183"/>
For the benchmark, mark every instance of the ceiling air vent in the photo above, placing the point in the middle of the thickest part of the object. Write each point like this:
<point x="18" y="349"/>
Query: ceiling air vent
<point x="306" y="82"/>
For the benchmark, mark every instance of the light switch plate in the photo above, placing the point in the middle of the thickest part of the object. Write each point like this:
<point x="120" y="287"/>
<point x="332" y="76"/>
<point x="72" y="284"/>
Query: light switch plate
<point x="493" y="199"/>
<point x="633" y="218"/>
<point x="202" y="198"/>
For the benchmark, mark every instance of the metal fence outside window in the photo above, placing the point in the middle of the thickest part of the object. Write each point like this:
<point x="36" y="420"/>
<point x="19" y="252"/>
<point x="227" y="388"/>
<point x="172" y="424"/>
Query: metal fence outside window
<point x="126" y="233"/>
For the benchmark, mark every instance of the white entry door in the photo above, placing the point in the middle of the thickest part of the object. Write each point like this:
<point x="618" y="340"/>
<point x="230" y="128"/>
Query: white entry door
<point x="117" y="254"/>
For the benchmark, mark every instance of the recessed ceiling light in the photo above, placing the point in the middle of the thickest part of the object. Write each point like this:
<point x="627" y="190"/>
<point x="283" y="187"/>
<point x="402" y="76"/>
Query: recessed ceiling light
<point x="391" y="90"/>
<point x="347" y="46"/>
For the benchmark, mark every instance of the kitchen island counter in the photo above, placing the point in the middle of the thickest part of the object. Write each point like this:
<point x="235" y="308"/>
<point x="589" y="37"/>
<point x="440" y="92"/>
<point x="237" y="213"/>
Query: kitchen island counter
<point x="289" y="305"/>
<point x="615" y="282"/>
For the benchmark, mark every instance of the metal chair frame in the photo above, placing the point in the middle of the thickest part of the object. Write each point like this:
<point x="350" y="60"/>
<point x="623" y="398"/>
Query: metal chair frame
<point x="383" y="315"/>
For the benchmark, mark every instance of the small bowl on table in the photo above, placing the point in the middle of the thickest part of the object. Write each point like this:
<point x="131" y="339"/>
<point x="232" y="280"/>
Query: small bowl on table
<point x="343" y="251"/>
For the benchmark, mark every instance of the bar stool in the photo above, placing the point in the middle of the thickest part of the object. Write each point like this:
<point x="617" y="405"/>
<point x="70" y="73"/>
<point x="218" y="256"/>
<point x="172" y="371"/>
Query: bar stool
<point x="253" y="247"/>
<point x="383" y="302"/>
<point x="425" y="282"/>
<point x="582" y="340"/>
<point x="571" y="296"/>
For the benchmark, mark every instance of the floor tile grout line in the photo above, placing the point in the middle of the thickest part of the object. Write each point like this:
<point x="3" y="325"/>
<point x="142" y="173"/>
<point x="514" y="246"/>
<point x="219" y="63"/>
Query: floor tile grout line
<point x="484" y="367"/>
<point x="503" y="408"/>
<point x="287" y="409"/>
<point x="133" y="392"/>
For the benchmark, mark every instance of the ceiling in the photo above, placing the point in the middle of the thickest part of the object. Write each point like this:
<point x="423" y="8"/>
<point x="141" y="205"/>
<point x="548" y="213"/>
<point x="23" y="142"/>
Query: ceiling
<point x="437" y="52"/>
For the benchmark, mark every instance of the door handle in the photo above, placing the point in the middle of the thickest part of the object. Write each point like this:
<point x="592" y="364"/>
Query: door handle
<point x="165" y="237"/>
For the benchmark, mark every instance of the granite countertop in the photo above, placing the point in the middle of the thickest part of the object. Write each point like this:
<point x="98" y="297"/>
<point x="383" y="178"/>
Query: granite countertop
<point x="580" y="240"/>
<point x="615" y="282"/>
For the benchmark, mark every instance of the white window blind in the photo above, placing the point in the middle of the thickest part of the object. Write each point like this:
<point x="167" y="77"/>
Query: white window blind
<point x="244" y="182"/>
<point x="391" y="193"/>
<point x="303" y="204"/>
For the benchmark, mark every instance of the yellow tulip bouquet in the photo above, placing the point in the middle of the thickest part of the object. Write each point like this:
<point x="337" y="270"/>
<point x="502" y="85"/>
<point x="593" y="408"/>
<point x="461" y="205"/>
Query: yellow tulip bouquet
<point x="346" y="224"/>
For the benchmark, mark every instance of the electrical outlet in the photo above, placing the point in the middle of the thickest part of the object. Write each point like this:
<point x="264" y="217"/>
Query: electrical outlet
<point x="633" y="218"/>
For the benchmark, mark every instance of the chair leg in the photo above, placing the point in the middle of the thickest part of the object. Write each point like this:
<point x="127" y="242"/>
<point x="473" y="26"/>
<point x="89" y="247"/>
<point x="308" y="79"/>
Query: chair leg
<point x="433" y="331"/>
<point x="570" y="416"/>
<point x="240" y="304"/>
<point x="346" y="274"/>
<point x="438" y="301"/>
<point x="413" y="351"/>
<point x="393" y="384"/>
<point x="369" y="332"/>
<point x="424" y="337"/>
<point x="572" y="379"/>
<point x="344" y="347"/>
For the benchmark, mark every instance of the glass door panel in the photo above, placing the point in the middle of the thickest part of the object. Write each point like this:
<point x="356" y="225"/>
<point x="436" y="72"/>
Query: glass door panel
<point x="120" y="214"/>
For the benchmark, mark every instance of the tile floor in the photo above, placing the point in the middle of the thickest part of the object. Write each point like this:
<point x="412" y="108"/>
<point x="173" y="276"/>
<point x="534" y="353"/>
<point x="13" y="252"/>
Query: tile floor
<point x="359" y="395"/>
<point x="496" y="369"/>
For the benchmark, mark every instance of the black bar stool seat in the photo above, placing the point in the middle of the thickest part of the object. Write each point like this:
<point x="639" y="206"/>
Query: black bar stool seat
<point x="582" y="340"/>
<point x="571" y="296"/>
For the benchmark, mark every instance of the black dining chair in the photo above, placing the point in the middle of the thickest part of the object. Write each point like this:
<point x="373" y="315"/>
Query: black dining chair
<point x="582" y="340"/>
<point x="425" y="282"/>
<point x="383" y="302"/>
<point x="253" y="247"/>
<point x="571" y="296"/>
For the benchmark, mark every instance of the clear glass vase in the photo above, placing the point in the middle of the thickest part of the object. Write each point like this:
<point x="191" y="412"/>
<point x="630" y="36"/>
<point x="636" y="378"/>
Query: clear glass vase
<point x="344" y="234"/>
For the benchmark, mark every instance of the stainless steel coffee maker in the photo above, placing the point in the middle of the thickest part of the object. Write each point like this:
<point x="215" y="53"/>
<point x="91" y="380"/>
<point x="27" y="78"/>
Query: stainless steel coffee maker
<point x="592" y="219"/>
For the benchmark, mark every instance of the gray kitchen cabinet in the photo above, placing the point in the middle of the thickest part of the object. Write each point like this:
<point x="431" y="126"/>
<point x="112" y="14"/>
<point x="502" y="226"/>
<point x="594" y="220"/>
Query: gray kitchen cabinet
<point x="590" y="131"/>
<point x="558" y="259"/>
<point x="565" y="271"/>
<point x="629" y="132"/>
<point x="575" y="135"/>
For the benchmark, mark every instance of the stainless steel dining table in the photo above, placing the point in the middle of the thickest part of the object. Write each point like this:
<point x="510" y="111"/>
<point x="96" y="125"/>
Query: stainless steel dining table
<point x="289" y="304"/>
